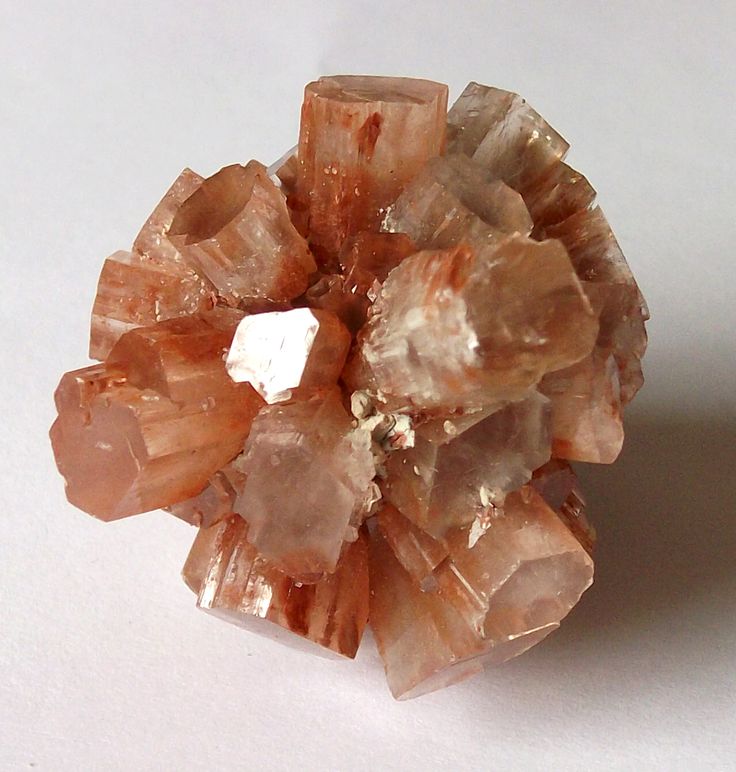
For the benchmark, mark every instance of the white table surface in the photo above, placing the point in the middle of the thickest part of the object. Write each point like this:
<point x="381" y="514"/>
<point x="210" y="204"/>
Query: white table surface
<point x="104" y="661"/>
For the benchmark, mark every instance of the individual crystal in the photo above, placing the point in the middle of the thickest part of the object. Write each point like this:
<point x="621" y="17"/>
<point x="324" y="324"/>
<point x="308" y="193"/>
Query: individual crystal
<point x="586" y="420"/>
<point x="599" y="262"/>
<point x="442" y="486"/>
<point x="501" y="132"/>
<point x="495" y="599"/>
<point x="362" y="138"/>
<point x="464" y="327"/>
<point x="284" y="354"/>
<point x="307" y="477"/>
<point x="454" y="200"/>
<point x="237" y="584"/>
<point x="124" y="446"/>
<point x="136" y="291"/>
<point x="235" y="230"/>
<point x="152" y="241"/>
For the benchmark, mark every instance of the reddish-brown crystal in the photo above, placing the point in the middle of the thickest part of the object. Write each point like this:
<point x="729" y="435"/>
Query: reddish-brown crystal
<point x="127" y="442"/>
<point x="586" y="420"/>
<point x="454" y="200"/>
<point x="237" y="584"/>
<point x="361" y="140"/>
<point x="500" y="131"/>
<point x="135" y="291"/>
<point x="235" y="230"/>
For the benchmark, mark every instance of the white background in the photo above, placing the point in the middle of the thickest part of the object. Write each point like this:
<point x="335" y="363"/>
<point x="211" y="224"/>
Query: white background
<point x="104" y="661"/>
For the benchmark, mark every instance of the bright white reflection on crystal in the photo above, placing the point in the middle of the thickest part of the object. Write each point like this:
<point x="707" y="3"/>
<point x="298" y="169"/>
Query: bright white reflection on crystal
<point x="270" y="351"/>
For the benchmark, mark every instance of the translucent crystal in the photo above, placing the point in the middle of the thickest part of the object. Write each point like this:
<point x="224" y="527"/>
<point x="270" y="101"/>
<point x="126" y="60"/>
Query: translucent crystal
<point x="235" y="230"/>
<point x="235" y="583"/>
<point x="463" y="327"/>
<point x="307" y="476"/>
<point x="362" y="138"/>
<point x="283" y="354"/>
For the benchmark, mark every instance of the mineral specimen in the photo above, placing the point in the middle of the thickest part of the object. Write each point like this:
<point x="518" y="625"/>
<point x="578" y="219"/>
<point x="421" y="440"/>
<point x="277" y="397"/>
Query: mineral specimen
<point x="363" y="374"/>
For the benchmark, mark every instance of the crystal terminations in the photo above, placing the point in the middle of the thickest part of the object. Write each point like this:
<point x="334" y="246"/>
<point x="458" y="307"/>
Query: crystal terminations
<point x="363" y="375"/>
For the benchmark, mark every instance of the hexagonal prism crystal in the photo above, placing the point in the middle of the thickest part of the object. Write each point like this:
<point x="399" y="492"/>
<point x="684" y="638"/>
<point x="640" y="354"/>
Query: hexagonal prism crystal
<point x="465" y="327"/>
<point x="494" y="601"/>
<point x="307" y="477"/>
<point x="361" y="139"/>
<point x="287" y="354"/>
<point x="151" y="429"/>
<point x="500" y="131"/>
<point x="235" y="230"/>
<point x="235" y="583"/>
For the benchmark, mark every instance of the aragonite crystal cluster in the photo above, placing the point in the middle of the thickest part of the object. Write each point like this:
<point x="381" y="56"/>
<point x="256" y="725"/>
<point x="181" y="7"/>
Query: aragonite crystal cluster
<point x="364" y="375"/>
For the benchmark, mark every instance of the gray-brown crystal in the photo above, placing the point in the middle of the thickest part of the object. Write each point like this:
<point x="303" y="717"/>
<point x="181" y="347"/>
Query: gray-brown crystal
<point x="364" y="373"/>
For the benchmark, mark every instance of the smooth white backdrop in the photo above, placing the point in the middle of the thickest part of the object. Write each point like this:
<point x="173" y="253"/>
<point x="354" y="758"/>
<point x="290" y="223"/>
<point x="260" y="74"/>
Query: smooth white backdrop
<point x="104" y="661"/>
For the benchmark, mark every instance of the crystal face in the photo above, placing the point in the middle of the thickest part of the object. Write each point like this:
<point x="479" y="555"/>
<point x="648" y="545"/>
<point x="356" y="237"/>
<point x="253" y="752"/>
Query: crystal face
<point x="364" y="375"/>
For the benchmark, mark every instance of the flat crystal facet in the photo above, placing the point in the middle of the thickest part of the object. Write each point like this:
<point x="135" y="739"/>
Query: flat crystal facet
<point x="307" y="474"/>
<point x="599" y="262"/>
<point x="586" y="419"/>
<point x="461" y="328"/>
<point x="454" y="200"/>
<point x="235" y="583"/>
<point x="500" y="131"/>
<point x="124" y="446"/>
<point x="151" y="283"/>
<point x="283" y="354"/>
<point x="443" y="486"/>
<point x="494" y="600"/>
<point x="362" y="138"/>
<point x="363" y="373"/>
<point x="235" y="230"/>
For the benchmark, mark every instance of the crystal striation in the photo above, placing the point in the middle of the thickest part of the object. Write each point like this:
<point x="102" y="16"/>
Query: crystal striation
<point x="364" y="374"/>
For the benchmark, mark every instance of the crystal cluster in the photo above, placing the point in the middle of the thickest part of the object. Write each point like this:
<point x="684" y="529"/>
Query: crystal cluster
<point x="364" y="373"/>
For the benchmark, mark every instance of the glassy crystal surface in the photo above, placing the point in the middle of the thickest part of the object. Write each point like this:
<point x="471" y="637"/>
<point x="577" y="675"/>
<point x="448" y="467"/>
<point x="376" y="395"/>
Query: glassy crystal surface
<point x="282" y="354"/>
<point x="464" y="327"/>
<point x="362" y="138"/>
<point x="364" y="373"/>
<point x="235" y="230"/>
<point x="307" y="474"/>
<point x="235" y="583"/>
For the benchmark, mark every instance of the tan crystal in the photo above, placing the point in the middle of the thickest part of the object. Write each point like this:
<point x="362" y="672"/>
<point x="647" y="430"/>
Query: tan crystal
<point x="463" y="327"/>
<point x="454" y="200"/>
<point x="237" y="584"/>
<point x="235" y="230"/>
<point x="599" y="262"/>
<point x="500" y="131"/>
<point x="307" y="477"/>
<point x="287" y="354"/>
<point x="362" y="138"/>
